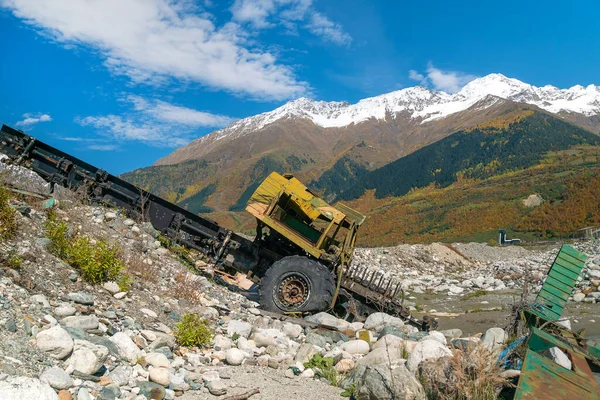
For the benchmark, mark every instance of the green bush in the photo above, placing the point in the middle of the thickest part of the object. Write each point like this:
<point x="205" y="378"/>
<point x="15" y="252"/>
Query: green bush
<point x="8" y="216"/>
<point x="58" y="233"/>
<point x="14" y="260"/>
<point x="98" y="262"/>
<point x="193" y="331"/>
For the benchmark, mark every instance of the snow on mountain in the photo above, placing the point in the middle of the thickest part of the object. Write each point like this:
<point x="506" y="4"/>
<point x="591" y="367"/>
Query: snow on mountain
<point x="424" y="104"/>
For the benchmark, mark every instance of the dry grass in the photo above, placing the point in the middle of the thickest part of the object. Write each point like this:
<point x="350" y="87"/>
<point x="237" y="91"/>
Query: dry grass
<point x="185" y="288"/>
<point x="8" y="216"/>
<point x="473" y="374"/>
<point x="137" y="268"/>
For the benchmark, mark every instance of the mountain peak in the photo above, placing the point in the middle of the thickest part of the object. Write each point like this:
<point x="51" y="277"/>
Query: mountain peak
<point x="424" y="105"/>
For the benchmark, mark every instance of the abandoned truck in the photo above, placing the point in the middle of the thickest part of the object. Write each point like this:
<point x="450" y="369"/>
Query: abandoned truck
<point x="301" y="254"/>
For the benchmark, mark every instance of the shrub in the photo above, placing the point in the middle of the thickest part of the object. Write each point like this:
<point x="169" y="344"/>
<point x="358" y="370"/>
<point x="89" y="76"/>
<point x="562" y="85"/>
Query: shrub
<point x="8" y="216"/>
<point x="58" y="233"/>
<point x="193" y="331"/>
<point x="14" y="261"/>
<point x="97" y="262"/>
<point x="324" y="368"/>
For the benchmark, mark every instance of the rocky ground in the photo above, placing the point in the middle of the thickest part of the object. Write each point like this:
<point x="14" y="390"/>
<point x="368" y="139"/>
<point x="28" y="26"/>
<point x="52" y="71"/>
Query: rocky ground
<point x="62" y="338"/>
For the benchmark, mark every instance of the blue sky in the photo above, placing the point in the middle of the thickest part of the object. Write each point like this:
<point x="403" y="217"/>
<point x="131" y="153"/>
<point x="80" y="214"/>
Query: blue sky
<point x="121" y="83"/>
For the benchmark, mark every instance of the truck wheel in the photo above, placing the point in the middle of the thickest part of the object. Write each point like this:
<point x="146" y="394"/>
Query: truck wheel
<point x="297" y="283"/>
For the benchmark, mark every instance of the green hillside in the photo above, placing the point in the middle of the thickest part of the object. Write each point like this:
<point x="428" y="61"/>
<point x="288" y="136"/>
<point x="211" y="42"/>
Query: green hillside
<point x="509" y="143"/>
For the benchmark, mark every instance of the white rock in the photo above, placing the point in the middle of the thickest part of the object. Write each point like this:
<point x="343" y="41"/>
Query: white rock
<point x="242" y="328"/>
<point x="65" y="311"/>
<point x="382" y="355"/>
<point x="109" y="216"/>
<point x="127" y="348"/>
<point x="129" y="222"/>
<point x="377" y="321"/>
<point x="235" y="356"/>
<point x="85" y="322"/>
<point x="121" y="375"/>
<point x="120" y="295"/>
<point x="39" y="299"/>
<point x="425" y="350"/>
<point x="493" y="338"/>
<point x="160" y="376"/>
<point x="323" y="318"/>
<point x="55" y="341"/>
<point x="292" y="330"/>
<point x="355" y="347"/>
<point x="57" y="378"/>
<point x="268" y="337"/>
<point x="307" y="373"/>
<point x="149" y="335"/>
<point x="223" y="342"/>
<point x="24" y="388"/>
<point x="578" y="297"/>
<point x="87" y="357"/>
<point x="210" y="376"/>
<point x="389" y="341"/>
<point x="157" y="360"/>
<point x="149" y="312"/>
<point x="84" y="394"/>
<point x="435" y="335"/>
<point x="111" y="287"/>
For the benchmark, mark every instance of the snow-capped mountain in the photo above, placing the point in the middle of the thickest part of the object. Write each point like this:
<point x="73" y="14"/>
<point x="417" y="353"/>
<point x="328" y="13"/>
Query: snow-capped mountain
<point x="426" y="105"/>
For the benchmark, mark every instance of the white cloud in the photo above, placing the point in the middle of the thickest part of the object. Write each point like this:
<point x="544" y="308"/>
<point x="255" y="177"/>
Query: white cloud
<point x="167" y="112"/>
<point x="103" y="147"/>
<point x="447" y="81"/>
<point x="415" y="76"/>
<point x="150" y="40"/>
<point x="153" y="122"/>
<point x="262" y="14"/>
<point x="320" y="25"/>
<point x="30" y="119"/>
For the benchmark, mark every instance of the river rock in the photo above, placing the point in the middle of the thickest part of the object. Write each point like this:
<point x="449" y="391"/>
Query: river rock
<point x="55" y="341"/>
<point x="425" y="350"/>
<point x="160" y="376"/>
<point x="235" y="356"/>
<point x="242" y="328"/>
<point x="87" y="357"/>
<point x="22" y="388"/>
<point x="82" y="298"/>
<point x="355" y="347"/>
<point x="377" y="321"/>
<point x="57" y="378"/>
<point x="384" y="383"/>
<point x="65" y="311"/>
<point x="86" y="322"/>
<point x="157" y="360"/>
<point x="217" y="388"/>
<point x="127" y="348"/>
<point x="329" y="320"/>
<point x="493" y="338"/>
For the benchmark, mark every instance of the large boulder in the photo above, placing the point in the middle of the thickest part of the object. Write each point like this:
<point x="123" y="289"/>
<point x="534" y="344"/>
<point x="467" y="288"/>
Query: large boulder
<point x="21" y="388"/>
<point x="382" y="355"/>
<point x="56" y="342"/>
<point x="87" y="357"/>
<point x="377" y="321"/>
<point x="381" y="382"/>
<point x="427" y="349"/>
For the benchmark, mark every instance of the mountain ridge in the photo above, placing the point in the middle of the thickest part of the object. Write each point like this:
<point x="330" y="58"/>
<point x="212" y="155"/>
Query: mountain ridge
<point x="415" y="103"/>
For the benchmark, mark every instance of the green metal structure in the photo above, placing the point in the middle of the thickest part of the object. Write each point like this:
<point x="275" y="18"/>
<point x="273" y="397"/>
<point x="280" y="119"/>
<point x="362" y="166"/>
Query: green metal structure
<point x="541" y="377"/>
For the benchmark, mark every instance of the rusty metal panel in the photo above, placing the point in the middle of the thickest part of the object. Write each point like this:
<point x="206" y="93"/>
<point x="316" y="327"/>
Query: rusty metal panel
<point x="542" y="378"/>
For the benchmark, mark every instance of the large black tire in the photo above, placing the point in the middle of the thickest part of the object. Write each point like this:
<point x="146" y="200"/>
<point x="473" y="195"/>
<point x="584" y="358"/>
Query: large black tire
<point x="297" y="284"/>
